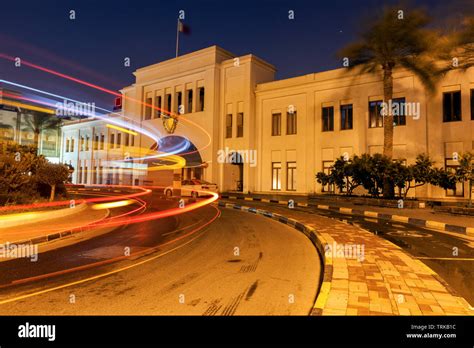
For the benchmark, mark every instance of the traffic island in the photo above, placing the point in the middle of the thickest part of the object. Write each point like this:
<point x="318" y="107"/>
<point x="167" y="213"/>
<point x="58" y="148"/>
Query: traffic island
<point x="364" y="274"/>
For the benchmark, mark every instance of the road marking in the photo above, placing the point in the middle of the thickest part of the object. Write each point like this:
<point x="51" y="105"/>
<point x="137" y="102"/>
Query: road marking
<point x="107" y="273"/>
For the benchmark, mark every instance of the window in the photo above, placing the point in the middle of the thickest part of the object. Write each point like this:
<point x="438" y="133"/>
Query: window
<point x="72" y="145"/>
<point x="179" y="103"/>
<point x="327" y="166"/>
<point x="112" y="140"/>
<point x="452" y="106"/>
<point x="200" y="106"/>
<point x="87" y="143"/>
<point x="132" y="140"/>
<point x="276" y="176"/>
<point x="327" y="114"/>
<point x="101" y="172"/>
<point x="158" y="105"/>
<point x="228" y="126"/>
<point x="96" y="142"/>
<point x="148" y="102"/>
<point x="451" y="165"/>
<point x="189" y="100"/>
<point x="85" y="174"/>
<point x="79" y="174"/>
<point x="346" y="117"/>
<point x="94" y="175"/>
<point x="291" y="122"/>
<point x="472" y="104"/>
<point x="127" y="139"/>
<point x="375" y="115"/>
<point x="67" y="144"/>
<point x="81" y="148"/>
<point x="291" y="176"/>
<point x="102" y="141"/>
<point x="119" y="139"/>
<point x="167" y="103"/>
<point x="276" y="124"/>
<point x="400" y="119"/>
<point x="240" y="124"/>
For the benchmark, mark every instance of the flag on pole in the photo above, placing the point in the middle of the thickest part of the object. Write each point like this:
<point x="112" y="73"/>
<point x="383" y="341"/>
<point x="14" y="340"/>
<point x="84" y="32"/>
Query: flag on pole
<point x="183" y="28"/>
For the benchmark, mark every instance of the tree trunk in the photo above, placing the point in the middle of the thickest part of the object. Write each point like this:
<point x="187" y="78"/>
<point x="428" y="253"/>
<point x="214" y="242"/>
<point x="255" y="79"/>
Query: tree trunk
<point x="470" y="193"/>
<point x="36" y="139"/>
<point x="53" y="193"/>
<point x="388" y="189"/>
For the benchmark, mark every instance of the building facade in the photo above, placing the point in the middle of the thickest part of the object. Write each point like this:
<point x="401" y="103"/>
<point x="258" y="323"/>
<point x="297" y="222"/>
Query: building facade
<point x="257" y="134"/>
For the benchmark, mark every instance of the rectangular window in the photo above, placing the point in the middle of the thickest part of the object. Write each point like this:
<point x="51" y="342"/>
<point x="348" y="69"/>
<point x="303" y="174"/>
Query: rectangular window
<point x="472" y="104"/>
<point x="72" y="145"/>
<point x="276" y="176"/>
<point x="81" y="147"/>
<point x="127" y="139"/>
<point x="228" y="126"/>
<point x="102" y="140"/>
<point x="179" y="103"/>
<point x="346" y="117"/>
<point x="327" y="166"/>
<point x="327" y="114"/>
<point x="276" y="124"/>
<point x="119" y="139"/>
<point x="189" y="100"/>
<point x="240" y="124"/>
<point x="67" y="145"/>
<point x="112" y="140"/>
<point x="94" y="176"/>
<point x="79" y="175"/>
<point x="452" y="106"/>
<point x="200" y="106"/>
<point x="375" y="115"/>
<point x="400" y="119"/>
<point x="291" y="122"/>
<point x="101" y="173"/>
<point x="85" y="174"/>
<point x="132" y="140"/>
<point x="148" y="109"/>
<point x="167" y="108"/>
<point x="96" y="142"/>
<point x="291" y="176"/>
<point x="158" y="105"/>
<point x="87" y="143"/>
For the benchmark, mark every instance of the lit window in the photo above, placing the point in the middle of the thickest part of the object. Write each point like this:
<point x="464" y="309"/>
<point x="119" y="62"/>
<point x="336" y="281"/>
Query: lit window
<point x="291" y="176"/>
<point x="276" y="176"/>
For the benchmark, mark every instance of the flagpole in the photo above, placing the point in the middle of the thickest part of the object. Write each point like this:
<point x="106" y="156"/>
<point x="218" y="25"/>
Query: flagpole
<point x="177" y="38"/>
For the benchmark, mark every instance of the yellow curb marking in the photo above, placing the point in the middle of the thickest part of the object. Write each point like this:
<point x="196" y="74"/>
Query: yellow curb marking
<point x="371" y="214"/>
<point x="400" y="218"/>
<point x="345" y="210"/>
<point x="435" y="224"/>
<point x="323" y="295"/>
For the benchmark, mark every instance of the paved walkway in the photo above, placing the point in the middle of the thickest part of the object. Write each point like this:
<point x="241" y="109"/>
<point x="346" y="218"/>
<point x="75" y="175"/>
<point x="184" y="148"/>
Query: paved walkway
<point x="379" y="279"/>
<point x="39" y="230"/>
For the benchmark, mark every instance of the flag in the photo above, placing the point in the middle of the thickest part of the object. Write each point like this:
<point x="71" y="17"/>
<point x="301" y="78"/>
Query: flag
<point x="183" y="28"/>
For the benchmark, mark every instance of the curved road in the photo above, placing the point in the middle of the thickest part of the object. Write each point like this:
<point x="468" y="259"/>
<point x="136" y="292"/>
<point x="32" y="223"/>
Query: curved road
<point x="241" y="264"/>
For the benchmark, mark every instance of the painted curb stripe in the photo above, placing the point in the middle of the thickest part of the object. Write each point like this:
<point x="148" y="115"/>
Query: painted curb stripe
<point x="441" y="226"/>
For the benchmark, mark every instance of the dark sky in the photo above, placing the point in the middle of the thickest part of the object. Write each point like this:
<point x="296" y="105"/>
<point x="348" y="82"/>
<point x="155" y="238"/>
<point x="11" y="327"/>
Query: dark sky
<point x="93" y="46"/>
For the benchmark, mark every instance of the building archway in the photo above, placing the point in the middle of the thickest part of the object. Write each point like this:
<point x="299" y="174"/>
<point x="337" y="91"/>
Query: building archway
<point x="178" y="145"/>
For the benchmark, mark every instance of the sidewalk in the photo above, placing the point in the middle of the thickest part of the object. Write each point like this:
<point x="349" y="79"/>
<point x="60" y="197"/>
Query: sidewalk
<point x="386" y="281"/>
<point x="426" y="217"/>
<point x="44" y="231"/>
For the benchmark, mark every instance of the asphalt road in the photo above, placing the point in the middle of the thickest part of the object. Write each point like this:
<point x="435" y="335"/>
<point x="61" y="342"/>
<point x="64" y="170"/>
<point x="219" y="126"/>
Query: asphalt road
<point x="241" y="264"/>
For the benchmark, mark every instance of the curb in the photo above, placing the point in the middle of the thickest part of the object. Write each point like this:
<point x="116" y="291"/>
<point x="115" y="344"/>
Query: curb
<point x="435" y="225"/>
<point x="317" y="240"/>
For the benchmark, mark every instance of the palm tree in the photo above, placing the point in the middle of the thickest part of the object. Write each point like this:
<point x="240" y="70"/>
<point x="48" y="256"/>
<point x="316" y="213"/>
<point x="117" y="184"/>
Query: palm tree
<point x="397" y="39"/>
<point x="38" y="122"/>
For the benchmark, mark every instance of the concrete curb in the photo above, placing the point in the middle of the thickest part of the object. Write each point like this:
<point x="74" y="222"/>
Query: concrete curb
<point x="436" y="225"/>
<point x="317" y="240"/>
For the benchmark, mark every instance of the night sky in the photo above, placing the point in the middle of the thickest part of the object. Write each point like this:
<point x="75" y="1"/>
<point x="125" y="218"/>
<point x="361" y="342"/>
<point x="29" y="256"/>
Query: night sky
<point x="93" y="46"/>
